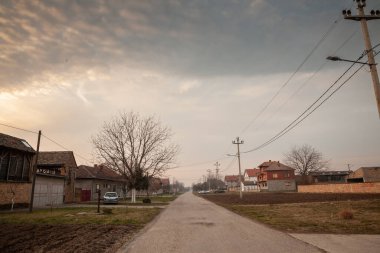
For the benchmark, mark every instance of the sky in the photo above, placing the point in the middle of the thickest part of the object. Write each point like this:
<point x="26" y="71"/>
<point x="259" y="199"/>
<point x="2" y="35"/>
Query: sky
<point x="209" y="70"/>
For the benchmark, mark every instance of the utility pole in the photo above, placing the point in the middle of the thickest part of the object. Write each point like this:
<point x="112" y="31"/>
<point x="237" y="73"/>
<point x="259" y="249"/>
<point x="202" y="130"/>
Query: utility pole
<point x="217" y="164"/>
<point x="34" y="171"/>
<point x="371" y="59"/>
<point x="209" y="179"/>
<point x="238" y="142"/>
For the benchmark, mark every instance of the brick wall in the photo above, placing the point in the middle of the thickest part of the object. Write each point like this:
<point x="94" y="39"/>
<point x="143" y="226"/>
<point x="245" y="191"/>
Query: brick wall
<point x="341" y="188"/>
<point x="22" y="193"/>
<point x="70" y="187"/>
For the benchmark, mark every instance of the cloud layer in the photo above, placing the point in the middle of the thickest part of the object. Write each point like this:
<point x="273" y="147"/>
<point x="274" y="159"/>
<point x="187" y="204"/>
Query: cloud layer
<point x="206" y="68"/>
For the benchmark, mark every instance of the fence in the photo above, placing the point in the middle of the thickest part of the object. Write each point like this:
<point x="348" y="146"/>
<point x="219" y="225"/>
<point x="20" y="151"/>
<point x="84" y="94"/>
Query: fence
<point x="341" y="188"/>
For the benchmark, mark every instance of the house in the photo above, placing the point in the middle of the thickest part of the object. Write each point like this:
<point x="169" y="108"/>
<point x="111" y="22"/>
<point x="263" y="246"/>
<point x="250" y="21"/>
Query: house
<point x="232" y="182"/>
<point x="165" y="184"/>
<point x="329" y="177"/>
<point x="89" y="179"/>
<point x="159" y="186"/>
<point x="275" y="176"/>
<point x="365" y="174"/>
<point x="324" y="177"/>
<point x="55" y="178"/>
<point x="16" y="161"/>
<point x="250" y="179"/>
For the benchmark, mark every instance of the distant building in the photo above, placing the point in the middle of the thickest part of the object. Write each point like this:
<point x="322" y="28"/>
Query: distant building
<point x="251" y="180"/>
<point x="365" y="174"/>
<point x="165" y="184"/>
<point x="329" y="177"/>
<point x="232" y="182"/>
<point x="159" y="186"/>
<point x="89" y="179"/>
<point x="275" y="176"/>
<point x="16" y="161"/>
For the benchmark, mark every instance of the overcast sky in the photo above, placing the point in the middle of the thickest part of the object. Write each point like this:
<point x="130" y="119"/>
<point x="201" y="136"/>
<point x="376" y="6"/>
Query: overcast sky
<point x="206" y="69"/>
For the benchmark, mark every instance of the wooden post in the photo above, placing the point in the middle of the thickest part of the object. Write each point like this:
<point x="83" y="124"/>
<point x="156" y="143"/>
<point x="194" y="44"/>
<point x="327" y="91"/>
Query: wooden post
<point x="34" y="171"/>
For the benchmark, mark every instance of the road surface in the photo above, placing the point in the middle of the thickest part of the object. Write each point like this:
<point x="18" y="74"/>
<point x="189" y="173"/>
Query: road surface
<point x="192" y="224"/>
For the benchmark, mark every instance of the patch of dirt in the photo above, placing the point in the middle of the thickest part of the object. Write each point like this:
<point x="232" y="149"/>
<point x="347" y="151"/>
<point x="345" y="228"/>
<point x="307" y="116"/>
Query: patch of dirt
<point x="64" y="238"/>
<point x="283" y="198"/>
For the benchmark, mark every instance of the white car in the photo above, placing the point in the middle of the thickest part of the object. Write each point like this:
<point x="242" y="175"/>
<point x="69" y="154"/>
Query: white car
<point x="110" y="198"/>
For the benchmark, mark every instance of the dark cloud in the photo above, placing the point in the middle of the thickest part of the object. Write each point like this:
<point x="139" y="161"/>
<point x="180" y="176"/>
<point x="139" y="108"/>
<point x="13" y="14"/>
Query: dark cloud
<point x="184" y="38"/>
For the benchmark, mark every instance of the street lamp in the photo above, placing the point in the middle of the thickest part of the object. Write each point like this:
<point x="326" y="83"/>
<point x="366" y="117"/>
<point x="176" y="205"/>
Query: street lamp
<point x="336" y="58"/>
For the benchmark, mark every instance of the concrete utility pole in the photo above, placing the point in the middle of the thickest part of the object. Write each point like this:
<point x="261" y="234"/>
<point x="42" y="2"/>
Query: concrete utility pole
<point x="217" y="164"/>
<point x="209" y="179"/>
<point x="34" y="170"/>
<point x="238" y="142"/>
<point x="371" y="59"/>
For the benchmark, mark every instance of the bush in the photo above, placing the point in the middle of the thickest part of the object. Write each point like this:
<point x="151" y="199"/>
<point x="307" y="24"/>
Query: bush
<point x="147" y="201"/>
<point x="107" y="210"/>
<point x="346" y="214"/>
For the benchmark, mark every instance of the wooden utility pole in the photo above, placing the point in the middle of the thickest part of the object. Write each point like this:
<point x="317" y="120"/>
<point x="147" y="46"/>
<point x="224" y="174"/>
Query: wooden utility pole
<point x="34" y="171"/>
<point x="238" y="142"/>
<point x="371" y="58"/>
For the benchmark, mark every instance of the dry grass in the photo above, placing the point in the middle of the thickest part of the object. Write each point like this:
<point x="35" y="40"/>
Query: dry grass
<point x="321" y="217"/>
<point x="85" y="215"/>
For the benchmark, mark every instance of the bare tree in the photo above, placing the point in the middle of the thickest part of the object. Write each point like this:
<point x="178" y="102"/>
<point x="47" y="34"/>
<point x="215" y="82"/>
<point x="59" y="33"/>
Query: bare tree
<point x="305" y="159"/>
<point x="135" y="147"/>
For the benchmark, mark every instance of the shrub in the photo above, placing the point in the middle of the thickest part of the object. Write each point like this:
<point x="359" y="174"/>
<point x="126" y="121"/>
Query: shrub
<point x="107" y="210"/>
<point x="346" y="214"/>
<point x="147" y="201"/>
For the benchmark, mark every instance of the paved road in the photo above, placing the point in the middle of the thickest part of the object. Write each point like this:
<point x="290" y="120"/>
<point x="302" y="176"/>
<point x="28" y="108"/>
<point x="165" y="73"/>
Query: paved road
<point x="192" y="224"/>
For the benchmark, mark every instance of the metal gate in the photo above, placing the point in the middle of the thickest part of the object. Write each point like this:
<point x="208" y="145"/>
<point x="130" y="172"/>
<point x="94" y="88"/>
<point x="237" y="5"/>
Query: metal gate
<point x="48" y="191"/>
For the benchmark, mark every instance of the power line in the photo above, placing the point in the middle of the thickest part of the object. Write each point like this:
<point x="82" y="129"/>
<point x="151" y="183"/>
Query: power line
<point x="306" y="82"/>
<point x="314" y="108"/>
<point x="60" y="145"/>
<point x="230" y="164"/>
<point x="293" y="124"/>
<point x="55" y="142"/>
<point x="200" y="163"/>
<point x="292" y="75"/>
<point x="18" y="128"/>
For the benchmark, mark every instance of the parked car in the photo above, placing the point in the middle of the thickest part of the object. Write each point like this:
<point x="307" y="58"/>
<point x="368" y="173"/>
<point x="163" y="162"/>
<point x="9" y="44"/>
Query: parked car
<point x="110" y="198"/>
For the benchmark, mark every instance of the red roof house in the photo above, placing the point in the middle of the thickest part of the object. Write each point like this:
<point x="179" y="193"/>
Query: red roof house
<point x="275" y="176"/>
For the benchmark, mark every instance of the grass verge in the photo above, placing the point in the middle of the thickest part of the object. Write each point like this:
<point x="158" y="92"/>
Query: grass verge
<point x="319" y="217"/>
<point x="83" y="215"/>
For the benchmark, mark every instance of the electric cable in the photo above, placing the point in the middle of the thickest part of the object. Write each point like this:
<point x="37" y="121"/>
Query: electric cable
<point x="19" y="128"/>
<point x="63" y="147"/>
<point x="331" y="28"/>
<point x="306" y="82"/>
<point x="293" y="124"/>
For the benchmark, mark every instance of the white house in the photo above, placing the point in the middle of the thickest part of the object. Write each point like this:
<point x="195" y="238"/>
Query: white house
<point x="250" y="179"/>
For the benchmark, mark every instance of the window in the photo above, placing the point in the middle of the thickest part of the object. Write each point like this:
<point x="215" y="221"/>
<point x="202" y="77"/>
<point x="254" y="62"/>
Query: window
<point x="26" y="144"/>
<point x="14" y="167"/>
<point x="275" y="175"/>
<point x="4" y="160"/>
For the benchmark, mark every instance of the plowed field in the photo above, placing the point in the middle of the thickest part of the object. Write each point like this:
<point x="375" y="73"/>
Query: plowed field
<point x="282" y="198"/>
<point x="64" y="238"/>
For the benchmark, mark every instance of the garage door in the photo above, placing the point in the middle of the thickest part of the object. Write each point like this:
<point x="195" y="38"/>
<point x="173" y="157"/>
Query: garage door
<point x="48" y="191"/>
